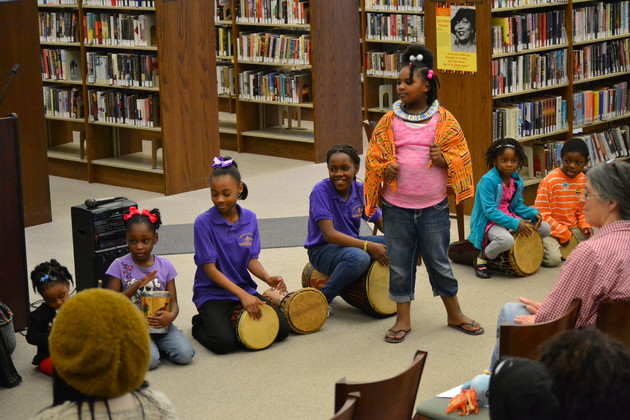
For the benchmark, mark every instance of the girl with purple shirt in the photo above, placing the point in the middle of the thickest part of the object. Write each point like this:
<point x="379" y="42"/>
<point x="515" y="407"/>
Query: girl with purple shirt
<point x="140" y="270"/>
<point x="227" y="246"/>
<point x="336" y="209"/>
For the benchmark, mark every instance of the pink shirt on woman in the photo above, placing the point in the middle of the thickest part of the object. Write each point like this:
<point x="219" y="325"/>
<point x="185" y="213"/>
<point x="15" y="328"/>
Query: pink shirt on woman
<point x="418" y="187"/>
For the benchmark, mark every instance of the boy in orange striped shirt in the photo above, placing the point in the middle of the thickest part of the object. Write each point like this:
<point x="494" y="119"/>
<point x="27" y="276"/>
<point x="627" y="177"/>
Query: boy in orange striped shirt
<point x="558" y="201"/>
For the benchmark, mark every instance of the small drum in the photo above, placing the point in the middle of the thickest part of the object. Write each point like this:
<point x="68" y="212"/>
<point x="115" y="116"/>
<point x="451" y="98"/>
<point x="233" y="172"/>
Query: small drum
<point x="313" y="278"/>
<point x="158" y="300"/>
<point x="255" y="334"/>
<point x="371" y="293"/>
<point x="523" y="259"/>
<point x="305" y="309"/>
<point x="566" y="250"/>
<point x="463" y="252"/>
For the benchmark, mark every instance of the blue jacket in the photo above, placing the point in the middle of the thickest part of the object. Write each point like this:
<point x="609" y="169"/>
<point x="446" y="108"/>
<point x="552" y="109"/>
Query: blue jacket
<point x="488" y="196"/>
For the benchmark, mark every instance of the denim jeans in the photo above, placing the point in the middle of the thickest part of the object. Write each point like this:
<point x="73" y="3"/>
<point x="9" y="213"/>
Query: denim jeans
<point x="174" y="345"/>
<point x="506" y="317"/>
<point x="414" y="232"/>
<point x="342" y="264"/>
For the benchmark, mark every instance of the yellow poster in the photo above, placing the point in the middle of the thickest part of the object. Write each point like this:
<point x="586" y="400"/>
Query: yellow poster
<point x="456" y="39"/>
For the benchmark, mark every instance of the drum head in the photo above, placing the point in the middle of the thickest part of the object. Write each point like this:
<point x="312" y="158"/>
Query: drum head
<point x="258" y="335"/>
<point x="306" y="310"/>
<point x="377" y="284"/>
<point x="566" y="250"/>
<point x="526" y="255"/>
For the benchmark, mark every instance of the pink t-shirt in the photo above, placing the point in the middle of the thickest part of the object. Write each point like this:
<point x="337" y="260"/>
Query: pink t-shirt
<point x="418" y="187"/>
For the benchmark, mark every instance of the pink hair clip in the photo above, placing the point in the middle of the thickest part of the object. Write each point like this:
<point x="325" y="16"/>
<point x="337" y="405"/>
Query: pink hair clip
<point x="430" y="74"/>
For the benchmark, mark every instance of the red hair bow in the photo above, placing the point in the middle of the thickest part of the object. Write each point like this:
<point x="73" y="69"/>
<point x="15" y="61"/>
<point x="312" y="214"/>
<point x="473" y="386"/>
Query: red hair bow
<point x="134" y="210"/>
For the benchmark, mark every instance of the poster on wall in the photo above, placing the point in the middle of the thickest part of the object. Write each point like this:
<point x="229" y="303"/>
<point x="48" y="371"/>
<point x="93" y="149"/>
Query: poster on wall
<point x="456" y="39"/>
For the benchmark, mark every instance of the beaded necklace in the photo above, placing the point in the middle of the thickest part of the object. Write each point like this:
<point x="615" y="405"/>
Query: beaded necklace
<point x="400" y="112"/>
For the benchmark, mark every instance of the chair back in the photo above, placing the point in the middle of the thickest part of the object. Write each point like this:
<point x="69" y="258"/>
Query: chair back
<point x="347" y="410"/>
<point x="369" y="127"/>
<point x="613" y="319"/>
<point x="525" y="340"/>
<point x="392" y="398"/>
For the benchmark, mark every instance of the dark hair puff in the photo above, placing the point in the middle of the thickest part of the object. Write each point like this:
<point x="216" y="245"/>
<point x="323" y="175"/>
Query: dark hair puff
<point x="48" y="273"/>
<point x="497" y="147"/>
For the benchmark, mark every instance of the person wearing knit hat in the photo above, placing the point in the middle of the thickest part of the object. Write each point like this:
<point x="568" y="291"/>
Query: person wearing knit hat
<point x="100" y="363"/>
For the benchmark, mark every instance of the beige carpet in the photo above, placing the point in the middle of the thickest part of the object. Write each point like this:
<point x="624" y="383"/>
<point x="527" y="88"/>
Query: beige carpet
<point x="295" y="378"/>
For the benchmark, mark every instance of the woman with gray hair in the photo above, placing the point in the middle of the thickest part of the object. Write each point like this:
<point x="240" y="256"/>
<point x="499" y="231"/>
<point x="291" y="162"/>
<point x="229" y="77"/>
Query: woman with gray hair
<point x="597" y="269"/>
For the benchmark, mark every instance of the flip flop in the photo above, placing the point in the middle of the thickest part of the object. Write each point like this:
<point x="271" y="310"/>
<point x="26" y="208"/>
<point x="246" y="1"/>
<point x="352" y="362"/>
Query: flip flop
<point x="399" y="339"/>
<point x="461" y="328"/>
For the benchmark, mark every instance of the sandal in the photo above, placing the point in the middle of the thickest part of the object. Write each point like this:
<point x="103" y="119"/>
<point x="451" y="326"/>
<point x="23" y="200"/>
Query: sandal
<point x="395" y="339"/>
<point x="473" y="324"/>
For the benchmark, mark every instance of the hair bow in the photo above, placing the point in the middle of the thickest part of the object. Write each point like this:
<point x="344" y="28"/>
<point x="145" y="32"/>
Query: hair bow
<point x="134" y="210"/>
<point x="414" y="58"/>
<point x="224" y="163"/>
<point x="44" y="278"/>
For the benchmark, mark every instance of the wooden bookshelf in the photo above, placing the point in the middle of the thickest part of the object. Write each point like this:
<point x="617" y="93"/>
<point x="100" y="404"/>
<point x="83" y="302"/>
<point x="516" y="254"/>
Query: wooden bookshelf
<point x="173" y="153"/>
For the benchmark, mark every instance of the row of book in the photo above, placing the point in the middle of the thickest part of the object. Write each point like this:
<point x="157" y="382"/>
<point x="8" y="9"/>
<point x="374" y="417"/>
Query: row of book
<point x="607" y="144"/>
<point x="276" y="12"/>
<point x="120" y="3"/>
<point x="289" y="87"/>
<point x="601" y="20"/>
<point x="63" y="102"/>
<point x="115" y="106"/>
<point x="61" y="64"/>
<point x="395" y="27"/>
<point x="382" y="63"/>
<point x="529" y="71"/>
<point x="122" y="69"/>
<point x="541" y="158"/>
<point x="58" y="26"/>
<point x="535" y="116"/>
<point x="119" y="29"/>
<point x="224" y="41"/>
<point x="225" y="80"/>
<point x="280" y="48"/>
<point x="396" y="5"/>
<point x="601" y="104"/>
<point x="601" y="59"/>
<point x="499" y="4"/>
<point x="528" y="30"/>
<point x="57" y="2"/>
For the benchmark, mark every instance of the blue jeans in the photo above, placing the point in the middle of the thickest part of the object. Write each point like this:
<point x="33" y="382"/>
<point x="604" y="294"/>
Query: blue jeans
<point x="174" y="345"/>
<point x="342" y="264"/>
<point x="414" y="232"/>
<point x="506" y="317"/>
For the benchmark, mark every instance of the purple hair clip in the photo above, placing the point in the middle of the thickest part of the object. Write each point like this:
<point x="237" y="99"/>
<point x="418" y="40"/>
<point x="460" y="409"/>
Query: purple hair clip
<point x="223" y="163"/>
<point x="430" y="74"/>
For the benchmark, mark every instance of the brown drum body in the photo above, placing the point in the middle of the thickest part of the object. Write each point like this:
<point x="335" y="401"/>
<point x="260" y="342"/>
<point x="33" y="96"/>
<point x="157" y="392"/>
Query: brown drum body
<point x="566" y="250"/>
<point x="151" y="302"/>
<point x="255" y="334"/>
<point x="312" y="277"/>
<point x="305" y="309"/>
<point x="463" y="252"/>
<point x="371" y="293"/>
<point x="523" y="259"/>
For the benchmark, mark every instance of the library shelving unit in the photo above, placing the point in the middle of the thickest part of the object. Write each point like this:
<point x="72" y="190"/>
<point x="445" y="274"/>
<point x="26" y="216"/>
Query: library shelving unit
<point x="530" y="74"/>
<point x="296" y="87"/>
<point x="387" y="27"/>
<point x="130" y="94"/>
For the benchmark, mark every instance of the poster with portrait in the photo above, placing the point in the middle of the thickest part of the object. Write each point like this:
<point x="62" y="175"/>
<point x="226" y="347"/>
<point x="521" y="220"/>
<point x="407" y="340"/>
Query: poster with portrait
<point x="456" y="38"/>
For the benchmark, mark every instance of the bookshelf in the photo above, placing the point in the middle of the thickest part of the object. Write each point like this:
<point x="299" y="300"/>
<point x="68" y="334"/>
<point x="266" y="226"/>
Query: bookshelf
<point x="129" y="93"/>
<point x="290" y="83"/>
<point x="499" y="92"/>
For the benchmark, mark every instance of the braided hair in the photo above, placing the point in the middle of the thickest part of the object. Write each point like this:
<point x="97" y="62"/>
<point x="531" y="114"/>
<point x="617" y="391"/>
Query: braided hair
<point x="49" y="273"/>
<point x="230" y="170"/>
<point x="143" y="218"/>
<point x="421" y="67"/>
<point x="348" y="150"/>
<point x="497" y="147"/>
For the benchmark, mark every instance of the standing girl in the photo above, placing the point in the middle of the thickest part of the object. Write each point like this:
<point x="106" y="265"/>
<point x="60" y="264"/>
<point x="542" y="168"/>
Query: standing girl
<point x="227" y="246"/>
<point x="52" y="281"/>
<point x="416" y="152"/>
<point x="336" y="208"/>
<point x="499" y="206"/>
<point x="140" y="270"/>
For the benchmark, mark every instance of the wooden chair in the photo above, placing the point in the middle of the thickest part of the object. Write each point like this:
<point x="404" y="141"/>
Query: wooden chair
<point x="612" y="318"/>
<point x="524" y="340"/>
<point x="347" y="410"/>
<point x="392" y="398"/>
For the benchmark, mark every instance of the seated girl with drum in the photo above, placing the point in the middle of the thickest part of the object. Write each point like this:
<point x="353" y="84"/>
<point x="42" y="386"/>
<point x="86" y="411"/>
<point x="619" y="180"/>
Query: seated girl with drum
<point x="139" y="272"/>
<point x="227" y="246"/>
<point x="336" y="208"/>
<point x="499" y="207"/>
<point x="558" y="201"/>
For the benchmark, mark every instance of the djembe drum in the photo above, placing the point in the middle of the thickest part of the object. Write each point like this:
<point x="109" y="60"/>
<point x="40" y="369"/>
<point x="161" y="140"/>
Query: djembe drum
<point x="255" y="334"/>
<point x="152" y="302"/>
<point x="523" y="259"/>
<point x="306" y="309"/>
<point x="312" y="277"/>
<point x="371" y="292"/>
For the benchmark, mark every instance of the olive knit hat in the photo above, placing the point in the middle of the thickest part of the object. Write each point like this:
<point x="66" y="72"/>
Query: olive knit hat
<point x="99" y="344"/>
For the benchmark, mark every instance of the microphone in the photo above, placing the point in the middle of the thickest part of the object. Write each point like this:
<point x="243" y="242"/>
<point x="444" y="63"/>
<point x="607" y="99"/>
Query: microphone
<point x="91" y="203"/>
<point x="14" y="70"/>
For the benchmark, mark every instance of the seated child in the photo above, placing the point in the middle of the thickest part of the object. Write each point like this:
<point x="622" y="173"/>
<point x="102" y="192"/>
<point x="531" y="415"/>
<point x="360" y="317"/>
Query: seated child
<point x="558" y="201"/>
<point x="499" y="207"/>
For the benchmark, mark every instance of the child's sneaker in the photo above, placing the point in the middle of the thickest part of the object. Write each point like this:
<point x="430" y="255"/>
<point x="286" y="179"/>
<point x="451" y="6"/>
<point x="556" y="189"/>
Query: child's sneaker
<point x="481" y="269"/>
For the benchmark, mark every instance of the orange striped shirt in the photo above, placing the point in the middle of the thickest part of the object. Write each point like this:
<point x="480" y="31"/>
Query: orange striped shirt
<point x="558" y="201"/>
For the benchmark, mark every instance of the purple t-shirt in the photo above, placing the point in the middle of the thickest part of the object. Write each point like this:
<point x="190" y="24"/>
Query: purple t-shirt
<point x="129" y="272"/>
<point x="327" y="204"/>
<point x="228" y="246"/>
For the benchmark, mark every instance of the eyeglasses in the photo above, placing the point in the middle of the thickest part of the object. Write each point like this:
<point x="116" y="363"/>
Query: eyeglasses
<point x="587" y="194"/>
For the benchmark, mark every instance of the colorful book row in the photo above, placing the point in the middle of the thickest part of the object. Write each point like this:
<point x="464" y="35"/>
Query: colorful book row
<point x="59" y="26"/>
<point x="529" y="71"/>
<point x="61" y="64"/>
<point x="609" y="144"/>
<point x="120" y="3"/>
<point x="382" y="63"/>
<point x="395" y="5"/>
<point x="277" y="48"/>
<point x="63" y="102"/>
<point x="114" y="106"/>
<point x="225" y="80"/>
<point x="287" y="87"/>
<point x="601" y="20"/>
<point x="536" y="116"/>
<point x="395" y="27"/>
<point x="224" y="41"/>
<point x="275" y="12"/>
<point x="601" y="104"/>
<point x="498" y="4"/>
<point x="601" y="59"/>
<point x="119" y="29"/>
<point x="122" y="69"/>
<point x="526" y="31"/>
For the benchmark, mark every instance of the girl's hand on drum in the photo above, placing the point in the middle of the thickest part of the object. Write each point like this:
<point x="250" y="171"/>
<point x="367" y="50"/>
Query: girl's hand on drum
<point x="525" y="319"/>
<point x="378" y="252"/>
<point x="252" y="305"/>
<point x="523" y="228"/>
<point x="148" y="278"/>
<point x="391" y="172"/>
<point x="530" y="305"/>
<point x="161" y="319"/>
<point x="278" y="283"/>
